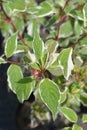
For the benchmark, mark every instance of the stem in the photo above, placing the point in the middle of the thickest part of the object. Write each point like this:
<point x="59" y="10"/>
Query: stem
<point x="81" y="38"/>
<point x="61" y="20"/>
<point x="65" y="6"/>
<point x="12" y="24"/>
<point x="14" y="62"/>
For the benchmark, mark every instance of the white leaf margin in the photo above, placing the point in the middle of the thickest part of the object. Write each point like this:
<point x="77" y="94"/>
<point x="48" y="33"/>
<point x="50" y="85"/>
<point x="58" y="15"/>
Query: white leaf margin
<point x="70" y="65"/>
<point x="14" y="41"/>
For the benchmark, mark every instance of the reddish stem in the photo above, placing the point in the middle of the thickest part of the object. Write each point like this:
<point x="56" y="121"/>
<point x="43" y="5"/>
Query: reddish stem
<point x="14" y="62"/>
<point x="65" y="5"/>
<point x="61" y="20"/>
<point x="37" y="73"/>
<point x="81" y="38"/>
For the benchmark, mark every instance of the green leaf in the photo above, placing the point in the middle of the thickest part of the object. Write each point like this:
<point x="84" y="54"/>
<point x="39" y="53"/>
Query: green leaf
<point x="44" y="9"/>
<point x="7" y="8"/>
<point x="64" y="42"/>
<point x="14" y="75"/>
<point x="63" y="96"/>
<point x="34" y="66"/>
<point x="68" y="8"/>
<point x="65" y="60"/>
<point x="11" y="45"/>
<point x="21" y="48"/>
<point x="25" y="80"/>
<point x="84" y="118"/>
<point x="2" y="61"/>
<point x="38" y="46"/>
<point x="61" y="2"/>
<point x="56" y="70"/>
<point x="52" y="65"/>
<point x="83" y="51"/>
<point x="32" y="28"/>
<point x="22" y="87"/>
<point x="85" y="15"/>
<point x="83" y="42"/>
<point x="44" y="59"/>
<point x="67" y="128"/>
<point x="78" y="61"/>
<point x="29" y="39"/>
<point x="66" y="29"/>
<point x="24" y="90"/>
<point x="53" y="60"/>
<point x="17" y="4"/>
<point x="75" y="87"/>
<point x="69" y="114"/>
<point x="78" y="27"/>
<point x="51" y="46"/>
<point x="76" y="127"/>
<point x="5" y="27"/>
<point x="78" y="14"/>
<point x="83" y="98"/>
<point x="50" y="95"/>
<point x="19" y="23"/>
<point x="52" y="20"/>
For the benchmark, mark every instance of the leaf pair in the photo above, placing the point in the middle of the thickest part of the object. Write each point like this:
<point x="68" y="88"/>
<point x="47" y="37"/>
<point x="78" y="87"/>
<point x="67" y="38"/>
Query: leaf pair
<point x="62" y="64"/>
<point x="23" y="87"/>
<point x="50" y="95"/>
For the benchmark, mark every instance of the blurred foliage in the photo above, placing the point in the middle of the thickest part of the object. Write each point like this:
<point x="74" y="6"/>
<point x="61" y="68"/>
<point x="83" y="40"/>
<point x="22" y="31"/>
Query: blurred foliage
<point x="51" y="35"/>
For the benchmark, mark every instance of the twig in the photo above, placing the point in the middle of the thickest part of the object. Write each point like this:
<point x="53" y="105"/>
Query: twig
<point x="81" y="38"/>
<point x="14" y="62"/>
<point x="65" y="6"/>
<point x="61" y="20"/>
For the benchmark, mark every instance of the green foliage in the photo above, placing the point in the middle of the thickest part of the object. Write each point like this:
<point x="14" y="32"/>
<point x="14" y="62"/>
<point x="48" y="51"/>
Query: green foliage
<point x="17" y="4"/>
<point x="69" y="114"/>
<point x="19" y="85"/>
<point x="44" y="9"/>
<point x="84" y="118"/>
<point x="38" y="46"/>
<point x="76" y="127"/>
<point x="11" y="45"/>
<point x="2" y="61"/>
<point x="51" y="37"/>
<point x="50" y="95"/>
<point x="65" y="60"/>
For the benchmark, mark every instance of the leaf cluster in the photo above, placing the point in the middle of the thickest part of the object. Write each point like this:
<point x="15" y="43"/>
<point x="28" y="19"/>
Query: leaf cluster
<point x="51" y="38"/>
